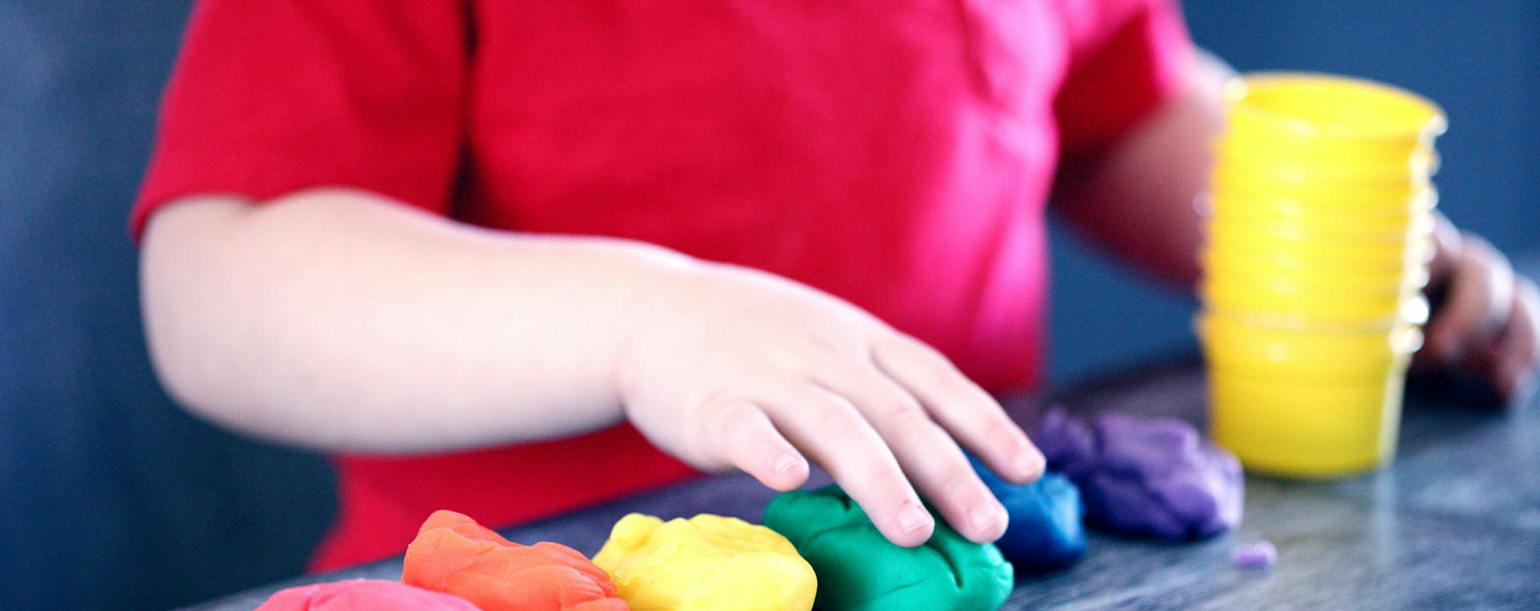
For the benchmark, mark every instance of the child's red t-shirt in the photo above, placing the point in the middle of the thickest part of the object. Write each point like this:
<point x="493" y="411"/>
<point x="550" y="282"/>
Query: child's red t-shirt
<point x="897" y="154"/>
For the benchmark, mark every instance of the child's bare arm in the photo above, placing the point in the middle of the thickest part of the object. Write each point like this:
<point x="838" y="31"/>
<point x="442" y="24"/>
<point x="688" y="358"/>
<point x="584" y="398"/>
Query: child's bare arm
<point x="1137" y="198"/>
<point x="338" y="320"/>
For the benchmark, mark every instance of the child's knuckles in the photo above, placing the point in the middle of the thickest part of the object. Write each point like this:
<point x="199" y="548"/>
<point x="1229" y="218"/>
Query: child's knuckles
<point x="793" y="357"/>
<point x="1001" y="435"/>
<point x="883" y="484"/>
<point x="837" y="420"/>
<point x="764" y="448"/>
<point x="889" y="401"/>
<point x="940" y="377"/>
<point x="910" y="425"/>
<point x="724" y="422"/>
<point x="960" y="488"/>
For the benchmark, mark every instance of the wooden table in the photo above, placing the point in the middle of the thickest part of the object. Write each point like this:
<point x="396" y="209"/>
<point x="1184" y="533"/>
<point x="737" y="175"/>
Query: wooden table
<point x="1455" y="524"/>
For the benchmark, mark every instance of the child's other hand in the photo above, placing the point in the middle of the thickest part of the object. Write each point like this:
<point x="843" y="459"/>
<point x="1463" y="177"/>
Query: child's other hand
<point x="1487" y="321"/>
<point x="728" y="367"/>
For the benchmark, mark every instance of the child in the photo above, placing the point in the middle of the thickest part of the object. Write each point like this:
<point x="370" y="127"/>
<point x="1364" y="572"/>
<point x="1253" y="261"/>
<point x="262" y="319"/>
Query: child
<point x="468" y="246"/>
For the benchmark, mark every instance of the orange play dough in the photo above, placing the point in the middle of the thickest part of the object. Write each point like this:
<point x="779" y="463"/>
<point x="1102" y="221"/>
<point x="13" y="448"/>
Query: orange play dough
<point x="455" y="555"/>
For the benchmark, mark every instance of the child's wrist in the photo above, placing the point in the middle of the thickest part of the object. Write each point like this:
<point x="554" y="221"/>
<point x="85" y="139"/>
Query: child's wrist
<point x="657" y="282"/>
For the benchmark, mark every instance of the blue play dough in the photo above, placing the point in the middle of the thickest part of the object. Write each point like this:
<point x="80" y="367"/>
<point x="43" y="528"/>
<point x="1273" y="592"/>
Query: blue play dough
<point x="1045" y="531"/>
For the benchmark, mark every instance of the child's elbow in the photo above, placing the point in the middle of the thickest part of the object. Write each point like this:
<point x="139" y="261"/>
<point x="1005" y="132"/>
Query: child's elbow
<point x="179" y="297"/>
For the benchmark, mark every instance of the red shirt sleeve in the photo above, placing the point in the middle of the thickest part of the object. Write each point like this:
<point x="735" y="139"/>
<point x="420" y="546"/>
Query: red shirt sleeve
<point x="1127" y="57"/>
<point x="273" y="96"/>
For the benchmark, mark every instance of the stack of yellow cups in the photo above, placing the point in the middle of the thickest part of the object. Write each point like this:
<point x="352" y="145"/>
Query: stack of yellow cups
<point x="1319" y="238"/>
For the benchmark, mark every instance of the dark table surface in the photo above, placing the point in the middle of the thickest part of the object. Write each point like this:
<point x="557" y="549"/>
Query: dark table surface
<point x="1454" y="524"/>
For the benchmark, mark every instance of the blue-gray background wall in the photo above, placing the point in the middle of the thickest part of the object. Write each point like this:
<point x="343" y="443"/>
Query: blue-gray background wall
<point x="110" y="498"/>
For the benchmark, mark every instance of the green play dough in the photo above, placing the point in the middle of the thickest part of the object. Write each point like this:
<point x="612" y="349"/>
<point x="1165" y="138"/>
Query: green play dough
<point x="859" y="570"/>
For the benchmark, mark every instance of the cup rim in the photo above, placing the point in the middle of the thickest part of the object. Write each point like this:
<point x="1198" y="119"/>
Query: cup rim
<point x="1296" y="324"/>
<point x="1322" y="228"/>
<point x="1309" y="286"/>
<point x="1313" y="229"/>
<point x="1231" y="290"/>
<point x="1309" y="232"/>
<point x="1318" y="378"/>
<point x="1257" y="270"/>
<point x="1418" y="201"/>
<point x="1239" y="87"/>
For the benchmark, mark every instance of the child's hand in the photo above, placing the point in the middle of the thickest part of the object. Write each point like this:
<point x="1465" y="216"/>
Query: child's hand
<point x="1487" y="321"/>
<point x="723" y="365"/>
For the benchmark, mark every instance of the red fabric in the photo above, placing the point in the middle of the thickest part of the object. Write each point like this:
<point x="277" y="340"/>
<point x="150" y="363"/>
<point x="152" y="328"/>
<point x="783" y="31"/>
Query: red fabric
<point x="895" y="154"/>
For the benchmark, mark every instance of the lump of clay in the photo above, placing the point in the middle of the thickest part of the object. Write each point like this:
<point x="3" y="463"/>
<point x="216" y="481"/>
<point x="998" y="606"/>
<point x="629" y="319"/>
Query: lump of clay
<point x="1045" y="531"/>
<point x="859" y="570"/>
<point x="705" y="563"/>
<point x="1144" y="477"/>
<point x="363" y="595"/>
<point x="455" y="555"/>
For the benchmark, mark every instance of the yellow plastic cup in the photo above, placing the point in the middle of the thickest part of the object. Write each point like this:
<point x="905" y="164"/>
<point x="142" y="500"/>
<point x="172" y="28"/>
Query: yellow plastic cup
<point x="1310" y="403"/>
<point x="1298" y="279"/>
<point x="1320" y="230"/>
<point x="1413" y="311"/>
<point x="1250" y="242"/>
<point x="1369" y="197"/>
<point x="1330" y="124"/>
<point x="1322" y="227"/>
<point x="1314" y="353"/>
<point x="1307" y="429"/>
<point x="1419" y="167"/>
<point x="1230" y="199"/>
<point x="1293" y="309"/>
<point x="1321" y="280"/>
<point x="1348" y="197"/>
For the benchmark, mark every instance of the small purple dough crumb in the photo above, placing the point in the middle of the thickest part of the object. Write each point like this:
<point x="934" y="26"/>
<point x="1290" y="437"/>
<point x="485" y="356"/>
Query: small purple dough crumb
<point x="1259" y="555"/>
<point x="1144" y="477"/>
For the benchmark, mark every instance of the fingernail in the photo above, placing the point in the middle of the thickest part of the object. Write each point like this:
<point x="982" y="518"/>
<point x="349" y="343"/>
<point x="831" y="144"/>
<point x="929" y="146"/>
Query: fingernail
<point x="984" y="517"/>
<point x="913" y="518"/>
<point x="784" y="464"/>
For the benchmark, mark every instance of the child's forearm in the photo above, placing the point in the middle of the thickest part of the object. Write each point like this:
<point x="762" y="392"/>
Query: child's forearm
<point x="337" y="320"/>
<point x="1137" y="198"/>
<point x="341" y="321"/>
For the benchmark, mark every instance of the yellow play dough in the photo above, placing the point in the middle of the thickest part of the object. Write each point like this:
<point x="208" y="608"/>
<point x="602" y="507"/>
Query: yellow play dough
<point x="705" y="563"/>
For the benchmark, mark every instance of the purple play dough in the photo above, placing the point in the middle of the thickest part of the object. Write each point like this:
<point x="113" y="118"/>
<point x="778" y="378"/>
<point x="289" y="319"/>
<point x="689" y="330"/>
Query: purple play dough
<point x="1144" y="477"/>
<point x="1259" y="555"/>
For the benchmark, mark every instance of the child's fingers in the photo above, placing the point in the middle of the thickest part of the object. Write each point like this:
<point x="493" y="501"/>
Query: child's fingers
<point x="1518" y="348"/>
<point x="746" y="438"/>
<point x="1476" y="304"/>
<point x="834" y="433"/>
<point x="962" y="407"/>
<point x="927" y="454"/>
